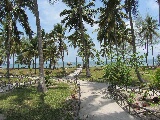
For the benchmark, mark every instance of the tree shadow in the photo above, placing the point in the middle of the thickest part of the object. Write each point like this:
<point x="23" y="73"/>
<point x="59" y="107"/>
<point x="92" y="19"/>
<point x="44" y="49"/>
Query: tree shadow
<point x="40" y="110"/>
<point x="97" y="106"/>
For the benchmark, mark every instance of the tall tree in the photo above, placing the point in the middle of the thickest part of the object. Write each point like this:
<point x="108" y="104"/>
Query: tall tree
<point x="131" y="9"/>
<point x="59" y="35"/>
<point x="41" y="86"/>
<point x="11" y="12"/>
<point x="148" y="31"/>
<point x="79" y="13"/>
<point x="111" y="27"/>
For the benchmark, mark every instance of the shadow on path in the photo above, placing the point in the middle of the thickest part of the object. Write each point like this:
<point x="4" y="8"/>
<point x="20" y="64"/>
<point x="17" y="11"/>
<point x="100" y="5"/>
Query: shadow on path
<point x="96" y="106"/>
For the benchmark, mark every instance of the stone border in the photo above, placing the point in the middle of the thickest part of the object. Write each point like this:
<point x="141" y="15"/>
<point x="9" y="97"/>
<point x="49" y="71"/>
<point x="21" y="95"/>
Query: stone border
<point x="130" y="108"/>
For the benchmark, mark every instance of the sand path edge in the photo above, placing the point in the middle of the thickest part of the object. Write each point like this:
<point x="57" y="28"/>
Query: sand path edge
<point x="95" y="105"/>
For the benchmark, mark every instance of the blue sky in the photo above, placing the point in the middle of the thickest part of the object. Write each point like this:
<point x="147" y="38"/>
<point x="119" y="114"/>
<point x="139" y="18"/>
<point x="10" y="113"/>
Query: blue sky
<point x="49" y="15"/>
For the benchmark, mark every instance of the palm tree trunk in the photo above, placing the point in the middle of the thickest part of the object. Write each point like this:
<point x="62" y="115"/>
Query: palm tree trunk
<point x="41" y="84"/>
<point x="106" y="60"/>
<point x="123" y="49"/>
<point x="13" y="60"/>
<point x="35" y="64"/>
<point x="147" y="53"/>
<point x="50" y="62"/>
<point x="76" y="62"/>
<point x="134" y="47"/>
<point x="9" y="27"/>
<point x="84" y="42"/>
<point x="110" y="51"/>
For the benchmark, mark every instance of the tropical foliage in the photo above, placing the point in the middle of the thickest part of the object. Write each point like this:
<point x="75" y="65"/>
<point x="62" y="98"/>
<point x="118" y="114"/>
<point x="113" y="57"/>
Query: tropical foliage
<point x="116" y="38"/>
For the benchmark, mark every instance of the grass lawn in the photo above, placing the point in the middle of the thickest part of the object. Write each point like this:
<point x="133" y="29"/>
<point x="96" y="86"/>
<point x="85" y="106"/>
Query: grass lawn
<point x="98" y="72"/>
<point x="30" y="72"/>
<point x="26" y="72"/>
<point x="28" y="104"/>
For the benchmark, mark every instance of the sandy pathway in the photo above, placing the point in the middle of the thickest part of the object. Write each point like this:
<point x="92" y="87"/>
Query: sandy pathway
<point x="95" y="106"/>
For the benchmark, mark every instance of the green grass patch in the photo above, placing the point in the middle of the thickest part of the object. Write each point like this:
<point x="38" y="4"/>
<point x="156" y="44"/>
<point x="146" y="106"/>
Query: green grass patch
<point x="28" y="104"/>
<point x="98" y="72"/>
<point x="29" y="72"/>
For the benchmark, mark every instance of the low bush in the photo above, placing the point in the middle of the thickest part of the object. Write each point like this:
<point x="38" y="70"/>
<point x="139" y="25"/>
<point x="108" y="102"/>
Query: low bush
<point x="118" y="73"/>
<point x="157" y="78"/>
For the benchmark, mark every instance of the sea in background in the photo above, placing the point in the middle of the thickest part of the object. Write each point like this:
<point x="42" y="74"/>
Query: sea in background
<point x="60" y="64"/>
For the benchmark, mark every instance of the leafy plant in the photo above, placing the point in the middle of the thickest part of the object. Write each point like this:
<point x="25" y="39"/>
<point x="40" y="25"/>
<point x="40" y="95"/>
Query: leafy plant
<point x="145" y="94"/>
<point x="21" y="73"/>
<point x="47" y="80"/>
<point x="157" y="78"/>
<point x="130" y="100"/>
<point x="134" y="63"/>
<point x="158" y="60"/>
<point x="30" y="70"/>
<point x="48" y="72"/>
<point x="131" y="97"/>
<point x="118" y="73"/>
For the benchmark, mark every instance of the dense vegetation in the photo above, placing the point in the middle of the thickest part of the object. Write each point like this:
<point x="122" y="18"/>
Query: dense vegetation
<point x="118" y="44"/>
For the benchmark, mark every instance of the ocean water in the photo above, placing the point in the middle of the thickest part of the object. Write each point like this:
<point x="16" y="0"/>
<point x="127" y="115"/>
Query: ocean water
<point x="46" y="65"/>
<point x="60" y="64"/>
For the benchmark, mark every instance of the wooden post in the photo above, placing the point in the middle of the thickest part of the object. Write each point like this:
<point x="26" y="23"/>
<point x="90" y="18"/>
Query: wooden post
<point x="121" y="100"/>
<point x="129" y="108"/>
<point x="146" y="114"/>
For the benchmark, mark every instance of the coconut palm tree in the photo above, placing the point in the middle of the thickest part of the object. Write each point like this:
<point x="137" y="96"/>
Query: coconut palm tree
<point x="131" y="9"/>
<point x="41" y="86"/>
<point x="79" y="13"/>
<point x="148" y="32"/>
<point x="11" y="12"/>
<point x="59" y="35"/>
<point x="111" y="27"/>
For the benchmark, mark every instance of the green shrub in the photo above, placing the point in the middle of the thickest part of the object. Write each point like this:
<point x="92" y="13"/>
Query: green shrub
<point x="157" y="77"/>
<point x="158" y="60"/>
<point x="118" y="73"/>
<point x="131" y="97"/>
<point x="48" y="72"/>
<point x="47" y="81"/>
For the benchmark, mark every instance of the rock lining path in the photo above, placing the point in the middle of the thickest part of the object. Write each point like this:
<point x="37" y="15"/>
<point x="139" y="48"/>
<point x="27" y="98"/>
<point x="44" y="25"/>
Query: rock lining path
<point x="94" y="104"/>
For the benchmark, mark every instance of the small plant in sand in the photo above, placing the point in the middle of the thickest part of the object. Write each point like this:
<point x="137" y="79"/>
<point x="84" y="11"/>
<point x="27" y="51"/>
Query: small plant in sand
<point x="21" y="73"/>
<point x="145" y="95"/>
<point x="157" y="78"/>
<point x="131" y="97"/>
<point x="30" y="71"/>
<point x="48" y="81"/>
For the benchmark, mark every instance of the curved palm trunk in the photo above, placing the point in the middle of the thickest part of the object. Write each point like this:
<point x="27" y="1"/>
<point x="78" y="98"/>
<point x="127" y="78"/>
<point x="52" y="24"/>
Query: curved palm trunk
<point x="41" y="84"/>
<point x="134" y="47"/>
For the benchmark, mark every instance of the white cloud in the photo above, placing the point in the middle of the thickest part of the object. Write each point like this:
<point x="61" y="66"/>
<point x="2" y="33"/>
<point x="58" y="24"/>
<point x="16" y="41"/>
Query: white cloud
<point x="50" y="14"/>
